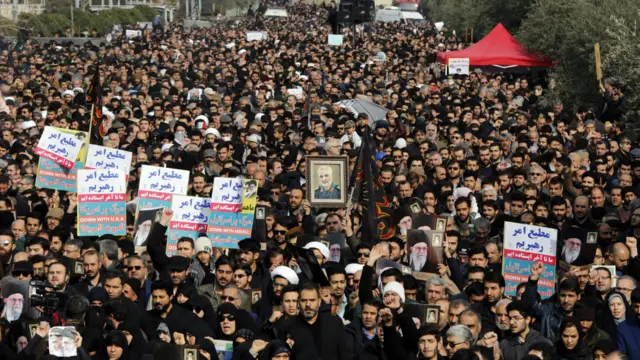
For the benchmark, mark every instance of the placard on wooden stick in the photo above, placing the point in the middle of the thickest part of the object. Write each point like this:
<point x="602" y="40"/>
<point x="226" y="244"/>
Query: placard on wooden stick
<point x="596" y="49"/>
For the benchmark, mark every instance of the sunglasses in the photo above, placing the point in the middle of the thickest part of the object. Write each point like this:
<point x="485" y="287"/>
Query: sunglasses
<point x="20" y="273"/>
<point x="363" y="255"/>
<point x="227" y="317"/>
<point x="129" y="268"/>
<point x="225" y="298"/>
<point x="279" y="232"/>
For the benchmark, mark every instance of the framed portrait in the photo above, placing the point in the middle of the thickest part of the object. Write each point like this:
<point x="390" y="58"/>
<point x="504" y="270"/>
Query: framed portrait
<point x="415" y="208"/>
<point x="32" y="330"/>
<point x="78" y="268"/>
<point x="431" y="315"/>
<point x="592" y="237"/>
<point x="441" y="224"/>
<point x="190" y="353"/>
<point x="327" y="181"/>
<point x="260" y="213"/>
<point x="255" y="296"/>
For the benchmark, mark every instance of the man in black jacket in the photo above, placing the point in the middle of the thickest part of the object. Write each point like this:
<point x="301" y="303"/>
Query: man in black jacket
<point x="325" y="329"/>
<point x="362" y="335"/>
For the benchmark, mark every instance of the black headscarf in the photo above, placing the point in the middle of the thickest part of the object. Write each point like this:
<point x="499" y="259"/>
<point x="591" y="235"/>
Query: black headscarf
<point x="138" y="343"/>
<point x="242" y="318"/>
<point x="114" y="338"/>
<point x="580" y="352"/>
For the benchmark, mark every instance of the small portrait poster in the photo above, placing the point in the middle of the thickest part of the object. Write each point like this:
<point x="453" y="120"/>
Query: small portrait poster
<point x="327" y="181"/>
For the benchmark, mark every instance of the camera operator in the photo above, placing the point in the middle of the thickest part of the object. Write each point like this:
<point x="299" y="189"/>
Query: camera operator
<point x="58" y="278"/>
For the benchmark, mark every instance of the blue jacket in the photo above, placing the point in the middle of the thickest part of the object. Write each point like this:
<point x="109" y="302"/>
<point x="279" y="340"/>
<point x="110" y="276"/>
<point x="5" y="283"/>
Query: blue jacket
<point x="629" y="337"/>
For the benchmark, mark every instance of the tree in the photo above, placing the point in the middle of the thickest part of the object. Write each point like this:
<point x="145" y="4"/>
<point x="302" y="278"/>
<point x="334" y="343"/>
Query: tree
<point x="567" y="31"/>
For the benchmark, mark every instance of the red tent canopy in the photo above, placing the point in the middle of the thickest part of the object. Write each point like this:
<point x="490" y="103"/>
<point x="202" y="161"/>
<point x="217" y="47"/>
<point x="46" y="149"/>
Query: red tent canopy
<point x="497" y="48"/>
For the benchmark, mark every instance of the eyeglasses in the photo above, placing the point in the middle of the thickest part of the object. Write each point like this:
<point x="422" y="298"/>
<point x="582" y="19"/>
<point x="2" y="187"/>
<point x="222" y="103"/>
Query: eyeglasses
<point x="227" y="317"/>
<point x="129" y="268"/>
<point x="363" y="254"/>
<point x="279" y="232"/>
<point x="225" y="298"/>
<point x="20" y="273"/>
<point x="536" y="174"/>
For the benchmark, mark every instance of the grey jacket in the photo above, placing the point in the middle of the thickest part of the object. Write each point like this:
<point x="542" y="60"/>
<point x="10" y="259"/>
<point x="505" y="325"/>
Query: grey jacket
<point x="513" y="349"/>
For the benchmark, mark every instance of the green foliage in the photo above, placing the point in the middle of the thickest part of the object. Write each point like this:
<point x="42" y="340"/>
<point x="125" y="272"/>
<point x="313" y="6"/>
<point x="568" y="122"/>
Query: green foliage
<point x="479" y="15"/>
<point x="52" y="24"/>
<point x="567" y="31"/>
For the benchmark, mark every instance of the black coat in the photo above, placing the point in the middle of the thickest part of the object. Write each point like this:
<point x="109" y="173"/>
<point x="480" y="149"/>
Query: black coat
<point x="330" y="342"/>
<point x="370" y="350"/>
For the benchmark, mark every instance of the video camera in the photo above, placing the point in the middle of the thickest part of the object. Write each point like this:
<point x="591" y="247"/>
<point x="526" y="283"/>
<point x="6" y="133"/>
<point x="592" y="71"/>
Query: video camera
<point x="41" y="294"/>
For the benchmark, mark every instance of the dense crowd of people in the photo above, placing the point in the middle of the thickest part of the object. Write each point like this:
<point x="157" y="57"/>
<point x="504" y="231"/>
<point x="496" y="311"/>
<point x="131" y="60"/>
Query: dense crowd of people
<point x="477" y="150"/>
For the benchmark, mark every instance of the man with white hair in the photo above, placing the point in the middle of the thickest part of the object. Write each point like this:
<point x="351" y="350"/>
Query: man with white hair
<point x="571" y="250"/>
<point x="458" y="337"/>
<point x="418" y="256"/>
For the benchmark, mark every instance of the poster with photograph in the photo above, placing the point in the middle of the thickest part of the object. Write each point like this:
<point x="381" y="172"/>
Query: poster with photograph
<point x="15" y="296"/>
<point x="327" y="182"/>
<point x="224" y="349"/>
<point x="157" y="187"/>
<point x="101" y="202"/>
<point x="60" y="146"/>
<point x="578" y="246"/>
<point x="146" y="218"/>
<point x="51" y="175"/>
<point x="335" y="242"/>
<point x="425" y="250"/>
<point x="61" y="341"/>
<point x="525" y="245"/>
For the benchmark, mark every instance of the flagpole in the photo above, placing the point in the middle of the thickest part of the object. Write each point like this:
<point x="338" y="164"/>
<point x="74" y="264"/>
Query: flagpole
<point x="93" y="106"/>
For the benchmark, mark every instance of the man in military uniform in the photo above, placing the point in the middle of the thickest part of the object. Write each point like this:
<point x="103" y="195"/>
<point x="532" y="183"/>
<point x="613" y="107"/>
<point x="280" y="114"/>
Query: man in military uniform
<point x="327" y="189"/>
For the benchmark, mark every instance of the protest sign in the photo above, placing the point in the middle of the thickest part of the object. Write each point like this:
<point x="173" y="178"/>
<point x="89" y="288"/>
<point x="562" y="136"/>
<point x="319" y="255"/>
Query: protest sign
<point x="61" y="343"/>
<point x="51" y="175"/>
<point x="190" y="219"/>
<point x="233" y="203"/>
<point x="459" y="66"/>
<point x="100" y="157"/>
<point x="224" y="349"/>
<point x="256" y="35"/>
<point x="59" y="146"/>
<point x="133" y="33"/>
<point x="525" y="245"/>
<point x="335" y="40"/>
<point x="297" y="92"/>
<point x="158" y="185"/>
<point x="101" y="202"/>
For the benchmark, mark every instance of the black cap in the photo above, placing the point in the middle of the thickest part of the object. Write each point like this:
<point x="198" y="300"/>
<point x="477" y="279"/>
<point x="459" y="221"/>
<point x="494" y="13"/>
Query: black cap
<point x="23" y="266"/>
<point x="177" y="262"/>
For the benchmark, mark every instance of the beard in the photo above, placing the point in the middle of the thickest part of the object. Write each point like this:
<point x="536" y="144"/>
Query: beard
<point x="417" y="261"/>
<point x="309" y="313"/>
<point x="11" y="314"/>
<point x="141" y="237"/>
<point x="503" y="327"/>
<point x="570" y="255"/>
<point x="162" y="309"/>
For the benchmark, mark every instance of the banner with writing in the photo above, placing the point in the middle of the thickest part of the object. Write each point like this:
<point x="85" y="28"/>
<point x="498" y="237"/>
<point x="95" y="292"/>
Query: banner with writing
<point x="101" y="202"/>
<point x="233" y="204"/>
<point x="525" y="245"/>
<point x="51" y="175"/>
<point x="158" y="185"/>
<point x="190" y="219"/>
<point x="59" y="146"/>
<point x="100" y="157"/>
